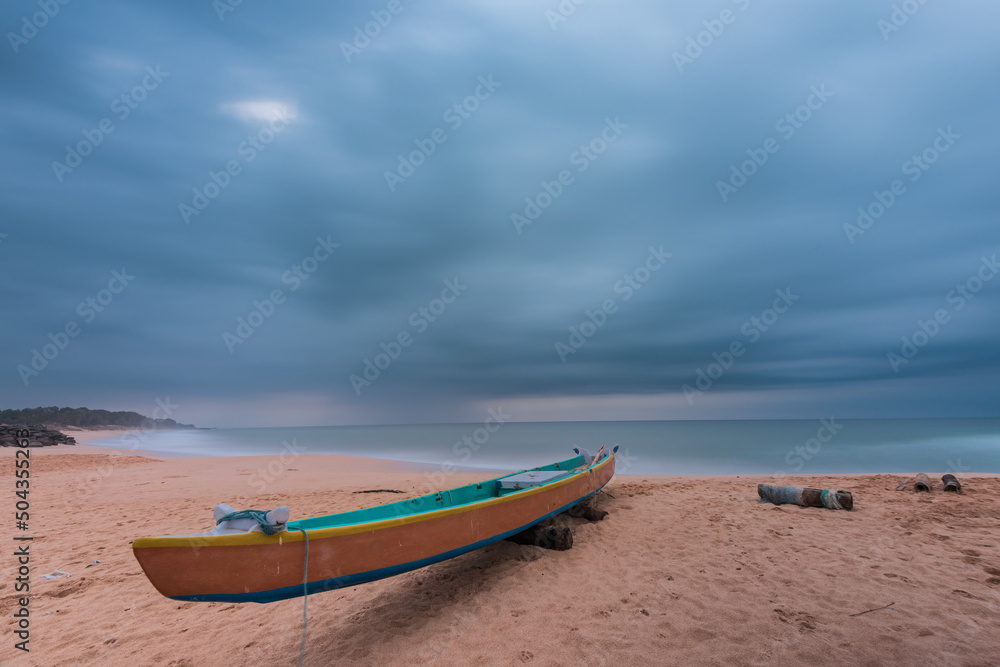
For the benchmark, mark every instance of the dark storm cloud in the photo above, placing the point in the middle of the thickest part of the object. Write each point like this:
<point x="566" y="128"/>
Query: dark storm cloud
<point x="550" y="93"/>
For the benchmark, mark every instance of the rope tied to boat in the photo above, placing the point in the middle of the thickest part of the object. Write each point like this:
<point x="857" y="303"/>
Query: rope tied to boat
<point x="305" y="597"/>
<point x="269" y="528"/>
<point x="260" y="516"/>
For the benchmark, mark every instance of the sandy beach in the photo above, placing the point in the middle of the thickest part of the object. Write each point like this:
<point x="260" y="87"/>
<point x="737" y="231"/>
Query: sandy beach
<point x="682" y="571"/>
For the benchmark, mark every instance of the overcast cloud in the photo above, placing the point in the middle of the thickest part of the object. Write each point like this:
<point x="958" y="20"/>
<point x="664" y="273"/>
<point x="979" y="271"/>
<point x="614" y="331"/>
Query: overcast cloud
<point x="260" y="149"/>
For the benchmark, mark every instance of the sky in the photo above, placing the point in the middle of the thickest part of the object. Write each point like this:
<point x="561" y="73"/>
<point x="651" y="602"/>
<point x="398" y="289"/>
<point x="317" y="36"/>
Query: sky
<point x="384" y="212"/>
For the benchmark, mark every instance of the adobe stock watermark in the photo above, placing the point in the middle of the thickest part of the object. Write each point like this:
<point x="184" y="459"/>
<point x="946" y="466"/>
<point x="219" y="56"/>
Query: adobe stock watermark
<point x="363" y="35"/>
<point x="956" y="466"/>
<point x="465" y="448"/>
<point x="223" y="7"/>
<point x="130" y="440"/>
<point x="753" y="329"/>
<point x="624" y="461"/>
<point x="630" y="283"/>
<point x="915" y="167"/>
<point x="562" y="12"/>
<point x="787" y="126"/>
<point x="263" y="310"/>
<point x="454" y="116"/>
<point x="420" y="320"/>
<point x="248" y="150"/>
<point x="88" y="310"/>
<point x="957" y="298"/>
<point x="30" y="25"/>
<point x="277" y="466"/>
<point x="581" y="158"/>
<point x="899" y="17"/>
<point x="702" y="40"/>
<point x="122" y="107"/>
<point x="798" y="456"/>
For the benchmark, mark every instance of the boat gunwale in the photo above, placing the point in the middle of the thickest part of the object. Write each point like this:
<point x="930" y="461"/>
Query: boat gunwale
<point x="294" y="534"/>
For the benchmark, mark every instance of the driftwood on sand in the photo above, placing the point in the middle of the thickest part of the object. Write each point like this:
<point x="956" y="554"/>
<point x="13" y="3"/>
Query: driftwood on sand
<point x="806" y="497"/>
<point x="922" y="483"/>
<point x="868" y="611"/>
<point x="951" y="483"/>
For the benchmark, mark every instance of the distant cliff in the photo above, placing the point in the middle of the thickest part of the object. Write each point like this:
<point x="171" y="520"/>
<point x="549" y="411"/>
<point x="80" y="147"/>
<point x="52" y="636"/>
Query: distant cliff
<point x="84" y="418"/>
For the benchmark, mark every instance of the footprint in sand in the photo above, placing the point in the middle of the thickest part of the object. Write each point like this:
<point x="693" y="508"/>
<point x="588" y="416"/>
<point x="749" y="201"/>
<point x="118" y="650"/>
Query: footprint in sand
<point x="800" y="618"/>
<point x="965" y="594"/>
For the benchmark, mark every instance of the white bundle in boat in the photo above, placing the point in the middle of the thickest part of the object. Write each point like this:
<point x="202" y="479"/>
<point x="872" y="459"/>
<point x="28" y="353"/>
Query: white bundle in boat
<point x="278" y="516"/>
<point x="588" y="458"/>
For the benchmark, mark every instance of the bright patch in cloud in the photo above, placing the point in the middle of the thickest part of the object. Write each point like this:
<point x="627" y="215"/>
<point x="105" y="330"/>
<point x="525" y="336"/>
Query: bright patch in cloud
<point x="257" y="110"/>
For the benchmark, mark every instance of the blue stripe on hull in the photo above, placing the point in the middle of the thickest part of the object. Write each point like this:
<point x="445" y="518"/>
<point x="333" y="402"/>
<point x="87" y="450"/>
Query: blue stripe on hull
<point x="364" y="577"/>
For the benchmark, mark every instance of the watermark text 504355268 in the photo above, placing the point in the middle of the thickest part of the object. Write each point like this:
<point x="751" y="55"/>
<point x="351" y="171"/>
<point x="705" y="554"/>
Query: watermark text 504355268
<point x="22" y="515"/>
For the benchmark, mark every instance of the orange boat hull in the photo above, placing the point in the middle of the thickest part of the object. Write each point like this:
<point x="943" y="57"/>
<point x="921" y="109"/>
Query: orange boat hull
<point x="253" y="567"/>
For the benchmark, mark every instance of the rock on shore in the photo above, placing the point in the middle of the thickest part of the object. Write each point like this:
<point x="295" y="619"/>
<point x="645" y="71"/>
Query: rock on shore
<point x="37" y="437"/>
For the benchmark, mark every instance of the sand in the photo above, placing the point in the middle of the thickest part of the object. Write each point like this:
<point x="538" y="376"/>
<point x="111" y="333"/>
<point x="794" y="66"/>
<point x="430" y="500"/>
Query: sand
<point x="682" y="571"/>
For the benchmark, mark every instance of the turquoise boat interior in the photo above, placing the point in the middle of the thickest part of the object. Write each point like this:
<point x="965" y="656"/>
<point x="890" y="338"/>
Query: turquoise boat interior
<point x="456" y="497"/>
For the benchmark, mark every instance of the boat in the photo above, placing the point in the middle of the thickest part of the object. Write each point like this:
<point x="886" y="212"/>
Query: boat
<point x="349" y="548"/>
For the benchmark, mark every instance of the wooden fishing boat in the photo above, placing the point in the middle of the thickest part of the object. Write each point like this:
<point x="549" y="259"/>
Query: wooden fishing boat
<point x="355" y="547"/>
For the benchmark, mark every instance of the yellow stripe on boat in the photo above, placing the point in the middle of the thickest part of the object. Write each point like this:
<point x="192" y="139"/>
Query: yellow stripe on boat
<point x="335" y="531"/>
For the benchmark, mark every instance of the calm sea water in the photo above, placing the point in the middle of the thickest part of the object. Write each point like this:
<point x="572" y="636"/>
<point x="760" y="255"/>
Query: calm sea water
<point x="663" y="447"/>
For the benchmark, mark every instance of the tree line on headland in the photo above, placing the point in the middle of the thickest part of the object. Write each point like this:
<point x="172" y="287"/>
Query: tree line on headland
<point x="84" y="417"/>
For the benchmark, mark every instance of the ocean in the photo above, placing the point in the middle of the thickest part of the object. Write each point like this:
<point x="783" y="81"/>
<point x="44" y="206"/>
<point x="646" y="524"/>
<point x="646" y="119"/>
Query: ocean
<point x="660" y="447"/>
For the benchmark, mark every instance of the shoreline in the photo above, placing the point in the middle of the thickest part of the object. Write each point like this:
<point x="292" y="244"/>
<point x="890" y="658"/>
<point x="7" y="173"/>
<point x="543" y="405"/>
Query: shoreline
<point x="705" y="451"/>
<point x="83" y="446"/>
<point x="92" y="447"/>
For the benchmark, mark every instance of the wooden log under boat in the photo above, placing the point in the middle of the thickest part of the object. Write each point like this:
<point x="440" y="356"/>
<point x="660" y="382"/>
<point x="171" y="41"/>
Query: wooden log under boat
<point x="547" y="535"/>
